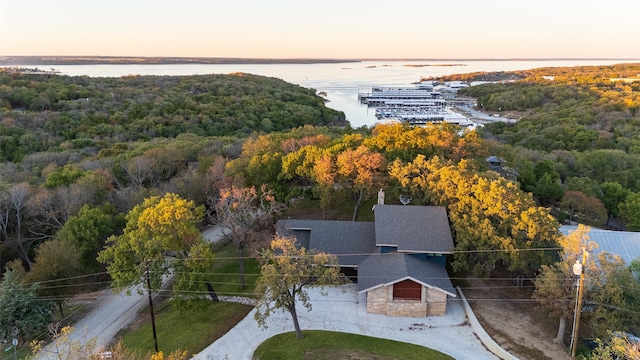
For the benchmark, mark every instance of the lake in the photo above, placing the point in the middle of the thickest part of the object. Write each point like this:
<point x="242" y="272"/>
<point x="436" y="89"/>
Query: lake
<point x="340" y="81"/>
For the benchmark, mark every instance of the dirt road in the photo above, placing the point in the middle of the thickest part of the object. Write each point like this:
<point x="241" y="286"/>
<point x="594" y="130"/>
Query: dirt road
<point x="513" y="321"/>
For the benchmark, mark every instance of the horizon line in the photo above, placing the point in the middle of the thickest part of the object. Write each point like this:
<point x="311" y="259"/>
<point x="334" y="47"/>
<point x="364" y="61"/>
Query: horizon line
<point x="318" y="58"/>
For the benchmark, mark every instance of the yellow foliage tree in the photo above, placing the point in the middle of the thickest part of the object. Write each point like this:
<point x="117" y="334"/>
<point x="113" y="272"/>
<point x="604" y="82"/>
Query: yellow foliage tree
<point x="285" y="273"/>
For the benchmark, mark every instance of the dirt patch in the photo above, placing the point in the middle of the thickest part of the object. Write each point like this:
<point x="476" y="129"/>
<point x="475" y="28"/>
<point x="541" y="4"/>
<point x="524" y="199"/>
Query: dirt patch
<point x="512" y="319"/>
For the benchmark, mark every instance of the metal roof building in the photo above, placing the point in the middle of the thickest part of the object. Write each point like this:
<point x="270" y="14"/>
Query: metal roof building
<point x="626" y="244"/>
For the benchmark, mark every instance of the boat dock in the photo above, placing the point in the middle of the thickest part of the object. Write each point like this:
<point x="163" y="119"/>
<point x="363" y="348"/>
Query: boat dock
<point x="417" y="105"/>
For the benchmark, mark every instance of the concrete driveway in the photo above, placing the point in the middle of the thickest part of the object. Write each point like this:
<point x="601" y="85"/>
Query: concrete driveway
<point x="344" y="310"/>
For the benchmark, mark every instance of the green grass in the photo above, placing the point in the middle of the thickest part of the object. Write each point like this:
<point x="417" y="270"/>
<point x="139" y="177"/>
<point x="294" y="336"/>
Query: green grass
<point x="225" y="279"/>
<point x="196" y="329"/>
<point x="191" y="332"/>
<point x="318" y="344"/>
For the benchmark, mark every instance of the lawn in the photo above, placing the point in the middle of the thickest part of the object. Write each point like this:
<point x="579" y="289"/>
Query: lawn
<point x="317" y="345"/>
<point x="194" y="330"/>
<point x="191" y="332"/>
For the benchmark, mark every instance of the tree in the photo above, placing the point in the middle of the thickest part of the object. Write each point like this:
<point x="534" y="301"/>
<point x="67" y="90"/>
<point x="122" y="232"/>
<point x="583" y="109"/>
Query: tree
<point x="63" y="347"/>
<point x="285" y="273"/>
<point x="14" y="202"/>
<point x="630" y="211"/>
<point x="324" y="172"/>
<point x="55" y="267"/>
<point x="611" y="289"/>
<point x="612" y="195"/>
<point x="22" y="314"/>
<point x="359" y="171"/>
<point x="548" y="190"/>
<point x="619" y="346"/>
<point x="487" y="213"/>
<point x="155" y="229"/>
<point x="88" y="230"/>
<point x="556" y="281"/>
<point x="246" y="213"/>
<point x="588" y="208"/>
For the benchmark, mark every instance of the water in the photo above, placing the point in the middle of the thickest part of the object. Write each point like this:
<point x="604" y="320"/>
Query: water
<point x="340" y="81"/>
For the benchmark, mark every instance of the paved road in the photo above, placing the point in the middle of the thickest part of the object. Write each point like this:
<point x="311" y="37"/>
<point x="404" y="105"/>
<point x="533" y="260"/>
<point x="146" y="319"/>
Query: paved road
<point x="112" y="312"/>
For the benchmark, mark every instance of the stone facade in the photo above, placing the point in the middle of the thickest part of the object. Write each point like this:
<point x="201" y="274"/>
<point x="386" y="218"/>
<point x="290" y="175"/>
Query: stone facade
<point x="380" y="301"/>
<point x="437" y="301"/>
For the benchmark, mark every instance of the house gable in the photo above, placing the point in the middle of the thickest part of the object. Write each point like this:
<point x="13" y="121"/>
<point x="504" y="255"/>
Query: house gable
<point x="379" y="270"/>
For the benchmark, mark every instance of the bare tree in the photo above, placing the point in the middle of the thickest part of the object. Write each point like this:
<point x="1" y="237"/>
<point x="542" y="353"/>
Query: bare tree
<point x="246" y="212"/>
<point x="15" y="201"/>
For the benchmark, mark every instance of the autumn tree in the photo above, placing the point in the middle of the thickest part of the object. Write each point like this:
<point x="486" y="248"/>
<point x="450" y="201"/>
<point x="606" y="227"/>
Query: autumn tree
<point x="588" y="209"/>
<point x="360" y="171"/>
<point x="259" y="163"/>
<point x="556" y="281"/>
<point x="285" y="274"/>
<point x="325" y="174"/>
<point x="405" y="142"/>
<point x="156" y="229"/>
<point x="63" y="347"/>
<point x="611" y="289"/>
<point x="246" y="213"/>
<point x="618" y="346"/>
<point x="492" y="219"/>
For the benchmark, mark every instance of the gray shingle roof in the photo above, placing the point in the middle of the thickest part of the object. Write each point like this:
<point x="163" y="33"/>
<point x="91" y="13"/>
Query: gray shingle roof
<point x="381" y="269"/>
<point x="350" y="241"/>
<point x="423" y="229"/>
<point x="626" y="244"/>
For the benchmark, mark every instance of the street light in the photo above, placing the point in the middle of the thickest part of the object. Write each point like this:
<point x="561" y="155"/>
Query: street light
<point x="578" y="271"/>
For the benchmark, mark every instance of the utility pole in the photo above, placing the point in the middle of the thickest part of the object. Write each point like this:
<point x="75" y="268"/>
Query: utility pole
<point x="153" y="320"/>
<point x="578" y="269"/>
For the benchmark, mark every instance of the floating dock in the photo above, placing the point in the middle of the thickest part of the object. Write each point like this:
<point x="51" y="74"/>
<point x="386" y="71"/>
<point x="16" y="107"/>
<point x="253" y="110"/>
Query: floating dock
<point x="417" y="105"/>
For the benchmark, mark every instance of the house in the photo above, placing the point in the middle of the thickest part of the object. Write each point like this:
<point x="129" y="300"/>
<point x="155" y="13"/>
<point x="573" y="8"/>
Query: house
<point x="398" y="260"/>
<point x="499" y="165"/>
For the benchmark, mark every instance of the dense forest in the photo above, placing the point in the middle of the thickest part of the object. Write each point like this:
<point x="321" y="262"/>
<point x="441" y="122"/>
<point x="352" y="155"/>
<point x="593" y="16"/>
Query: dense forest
<point x="43" y="112"/>
<point x="79" y="153"/>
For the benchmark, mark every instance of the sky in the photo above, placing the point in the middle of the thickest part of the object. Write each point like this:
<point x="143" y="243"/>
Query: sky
<point x="334" y="29"/>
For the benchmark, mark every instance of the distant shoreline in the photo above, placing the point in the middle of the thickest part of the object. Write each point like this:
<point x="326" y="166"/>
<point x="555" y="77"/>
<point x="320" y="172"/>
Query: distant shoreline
<point x="133" y="60"/>
<point x="130" y="60"/>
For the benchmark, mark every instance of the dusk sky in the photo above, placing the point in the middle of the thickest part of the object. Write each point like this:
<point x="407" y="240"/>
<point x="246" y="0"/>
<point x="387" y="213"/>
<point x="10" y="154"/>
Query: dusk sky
<point x="364" y="29"/>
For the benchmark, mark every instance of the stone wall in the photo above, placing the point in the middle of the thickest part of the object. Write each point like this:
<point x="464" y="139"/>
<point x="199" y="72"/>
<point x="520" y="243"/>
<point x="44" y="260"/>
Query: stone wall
<point x="380" y="301"/>
<point x="437" y="301"/>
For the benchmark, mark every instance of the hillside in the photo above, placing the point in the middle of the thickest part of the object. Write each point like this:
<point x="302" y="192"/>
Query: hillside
<point x="41" y="112"/>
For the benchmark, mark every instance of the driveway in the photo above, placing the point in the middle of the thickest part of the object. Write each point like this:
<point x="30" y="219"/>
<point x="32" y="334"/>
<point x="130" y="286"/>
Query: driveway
<point x="344" y="310"/>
